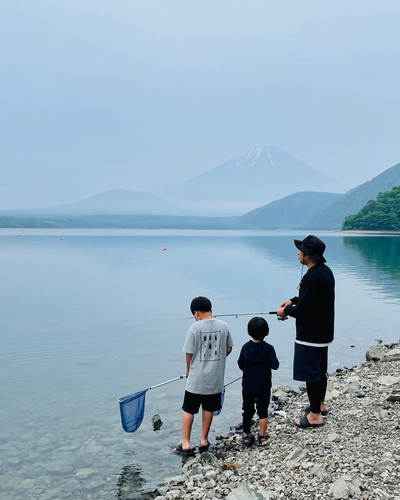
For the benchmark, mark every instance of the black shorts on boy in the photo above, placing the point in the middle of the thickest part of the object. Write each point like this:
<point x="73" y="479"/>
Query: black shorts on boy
<point x="208" y="402"/>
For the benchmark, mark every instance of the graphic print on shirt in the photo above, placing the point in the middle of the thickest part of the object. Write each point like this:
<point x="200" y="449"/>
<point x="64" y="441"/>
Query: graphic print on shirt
<point x="210" y="346"/>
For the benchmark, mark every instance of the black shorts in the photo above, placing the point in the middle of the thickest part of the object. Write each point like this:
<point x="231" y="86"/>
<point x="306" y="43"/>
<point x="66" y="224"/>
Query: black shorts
<point x="209" y="402"/>
<point x="310" y="363"/>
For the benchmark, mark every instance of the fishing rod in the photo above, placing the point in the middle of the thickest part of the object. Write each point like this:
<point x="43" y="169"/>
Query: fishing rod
<point x="236" y="315"/>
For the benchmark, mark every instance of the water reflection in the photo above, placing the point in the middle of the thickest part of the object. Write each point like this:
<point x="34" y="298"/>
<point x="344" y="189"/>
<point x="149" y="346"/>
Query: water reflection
<point x="382" y="252"/>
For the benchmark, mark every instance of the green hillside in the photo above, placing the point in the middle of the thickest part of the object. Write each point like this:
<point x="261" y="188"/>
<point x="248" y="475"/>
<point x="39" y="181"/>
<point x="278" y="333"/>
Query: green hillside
<point x="353" y="201"/>
<point x="382" y="214"/>
<point x="292" y="212"/>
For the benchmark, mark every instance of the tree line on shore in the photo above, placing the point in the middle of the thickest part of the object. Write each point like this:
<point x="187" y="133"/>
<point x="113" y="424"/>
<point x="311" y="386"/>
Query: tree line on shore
<point x="381" y="214"/>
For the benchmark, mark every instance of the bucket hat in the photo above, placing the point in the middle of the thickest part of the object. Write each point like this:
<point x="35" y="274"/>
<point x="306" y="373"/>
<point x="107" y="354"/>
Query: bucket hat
<point x="312" y="246"/>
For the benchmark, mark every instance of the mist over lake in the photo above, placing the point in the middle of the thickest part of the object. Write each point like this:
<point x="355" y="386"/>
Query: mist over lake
<point x="91" y="316"/>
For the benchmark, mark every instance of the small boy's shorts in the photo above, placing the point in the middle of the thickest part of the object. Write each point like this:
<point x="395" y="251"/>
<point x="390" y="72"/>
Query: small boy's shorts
<point x="209" y="402"/>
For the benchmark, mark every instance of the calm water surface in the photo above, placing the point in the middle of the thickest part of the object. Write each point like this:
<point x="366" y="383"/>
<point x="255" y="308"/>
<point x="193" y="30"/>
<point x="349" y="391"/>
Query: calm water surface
<point x="91" y="316"/>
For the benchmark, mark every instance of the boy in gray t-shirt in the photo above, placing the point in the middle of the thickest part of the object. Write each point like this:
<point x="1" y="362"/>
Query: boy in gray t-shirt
<point x="208" y="343"/>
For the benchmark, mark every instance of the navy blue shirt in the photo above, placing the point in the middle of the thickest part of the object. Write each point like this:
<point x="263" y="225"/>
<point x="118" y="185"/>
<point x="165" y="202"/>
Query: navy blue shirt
<point x="256" y="361"/>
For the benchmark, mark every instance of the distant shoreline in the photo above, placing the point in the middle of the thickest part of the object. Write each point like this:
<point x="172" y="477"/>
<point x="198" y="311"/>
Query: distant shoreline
<point x="365" y="231"/>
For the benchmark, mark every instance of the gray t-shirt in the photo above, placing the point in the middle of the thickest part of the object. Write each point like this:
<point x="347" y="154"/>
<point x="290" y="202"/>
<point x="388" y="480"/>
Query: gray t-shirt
<point x="208" y="341"/>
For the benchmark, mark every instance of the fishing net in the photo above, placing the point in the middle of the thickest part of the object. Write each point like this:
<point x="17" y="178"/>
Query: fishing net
<point x="132" y="410"/>
<point x="216" y="413"/>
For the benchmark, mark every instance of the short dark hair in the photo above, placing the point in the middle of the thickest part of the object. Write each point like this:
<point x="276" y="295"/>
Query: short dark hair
<point x="258" y="328"/>
<point x="201" y="304"/>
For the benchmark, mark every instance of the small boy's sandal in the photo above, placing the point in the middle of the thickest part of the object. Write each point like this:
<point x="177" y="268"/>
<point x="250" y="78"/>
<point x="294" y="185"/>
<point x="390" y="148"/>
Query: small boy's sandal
<point x="248" y="440"/>
<point x="262" y="439"/>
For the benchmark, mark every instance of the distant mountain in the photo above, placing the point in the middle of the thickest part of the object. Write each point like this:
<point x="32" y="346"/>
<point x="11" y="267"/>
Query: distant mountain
<point x="351" y="202"/>
<point x="259" y="176"/>
<point x="118" y="201"/>
<point x="292" y="212"/>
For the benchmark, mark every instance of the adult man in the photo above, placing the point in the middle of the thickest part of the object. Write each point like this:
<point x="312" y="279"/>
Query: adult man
<point x="208" y="343"/>
<point x="314" y="313"/>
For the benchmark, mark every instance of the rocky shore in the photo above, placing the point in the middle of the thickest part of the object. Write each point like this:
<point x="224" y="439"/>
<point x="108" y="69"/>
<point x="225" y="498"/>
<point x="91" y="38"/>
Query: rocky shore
<point x="355" y="455"/>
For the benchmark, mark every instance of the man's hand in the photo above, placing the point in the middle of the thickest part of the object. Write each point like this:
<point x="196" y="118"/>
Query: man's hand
<point x="187" y="374"/>
<point x="281" y="312"/>
<point x="285" y="304"/>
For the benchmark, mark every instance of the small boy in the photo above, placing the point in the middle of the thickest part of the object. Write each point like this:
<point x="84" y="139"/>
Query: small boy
<point x="256" y="360"/>
<point x="208" y="343"/>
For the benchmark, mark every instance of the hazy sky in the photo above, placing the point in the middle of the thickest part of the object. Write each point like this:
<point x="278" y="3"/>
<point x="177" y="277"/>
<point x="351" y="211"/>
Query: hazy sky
<point x="105" y="94"/>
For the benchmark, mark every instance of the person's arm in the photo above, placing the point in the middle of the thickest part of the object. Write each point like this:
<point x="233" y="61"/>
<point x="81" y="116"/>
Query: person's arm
<point x="188" y="361"/>
<point x="308" y="299"/>
<point x="273" y="360"/>
<point x="293" y="301"/>
<point x="240" y="360"/>
<point x="229" y="343"/>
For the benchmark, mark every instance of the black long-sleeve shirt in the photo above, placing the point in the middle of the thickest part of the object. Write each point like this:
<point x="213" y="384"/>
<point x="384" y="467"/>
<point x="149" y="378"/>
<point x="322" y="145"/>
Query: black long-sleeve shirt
<point x="314" y="308"/>
<point x="256" y="361"/>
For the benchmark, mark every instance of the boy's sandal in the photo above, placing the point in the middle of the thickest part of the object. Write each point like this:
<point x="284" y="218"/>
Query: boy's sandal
<point x="186" y="453"/>
<point x="203" y="449"/>
<point x="248" y="440"/>
<point x="262" y="439"/>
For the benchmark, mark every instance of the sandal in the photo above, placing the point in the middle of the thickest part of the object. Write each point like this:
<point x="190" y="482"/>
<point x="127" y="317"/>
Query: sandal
<point x="305" y="424"/>
<point x="203" y="449"/>
<point x="186" y="453"/>
<point x="262" y="438"/>
<point x="248" y="440"/>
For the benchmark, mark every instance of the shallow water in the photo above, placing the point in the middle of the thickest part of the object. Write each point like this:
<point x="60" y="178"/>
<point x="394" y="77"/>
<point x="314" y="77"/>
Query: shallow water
<point x="91" y="316"/>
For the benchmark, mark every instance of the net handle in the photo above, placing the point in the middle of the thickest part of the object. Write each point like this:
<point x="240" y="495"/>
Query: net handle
<point x="236" y="379"/>
<point x="167" y="382"/>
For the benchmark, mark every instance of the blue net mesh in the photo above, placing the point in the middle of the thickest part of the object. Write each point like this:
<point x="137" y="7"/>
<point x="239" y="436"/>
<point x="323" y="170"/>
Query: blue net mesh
<point x="216" y="413"/>
<point x="132" y="410"/>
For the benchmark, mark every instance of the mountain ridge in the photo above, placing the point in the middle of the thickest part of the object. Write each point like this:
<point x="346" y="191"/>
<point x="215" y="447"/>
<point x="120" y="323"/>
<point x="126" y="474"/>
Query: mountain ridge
<point x="258" y="176"/>
<point x="353" y="200"/>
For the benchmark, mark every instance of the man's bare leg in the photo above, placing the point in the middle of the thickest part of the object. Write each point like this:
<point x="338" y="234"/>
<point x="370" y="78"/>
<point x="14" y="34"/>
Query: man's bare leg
<point x="207" y="419"/>
<point x="187" y="422"/>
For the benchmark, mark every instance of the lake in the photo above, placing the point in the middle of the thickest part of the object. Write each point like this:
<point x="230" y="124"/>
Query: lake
<point x="90" y="316"/>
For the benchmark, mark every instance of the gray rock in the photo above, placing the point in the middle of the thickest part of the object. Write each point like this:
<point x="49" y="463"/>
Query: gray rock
<point x="344" y="487"/>
<point x="157" y="422"/>
<point x="385" y="464"/>
<point x="388" y="380"/>
<point x="394" y="395"/>
<point x="173" y="494"/>
<point x="207" y="458"/>
<point x="85" y="473"/>
<point x="27" y="483"/>
<point x="333" y="437"/>
<point x="296" y="456"/>
<point x="392" y="355"/>
<point x="352" y="387"/>
<point x="376" y="353"/>
<point x="243" y="492"/>
<point x="318" y="471"/>
<point x="334" y="394"/>
<point x="58" y="468"/>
